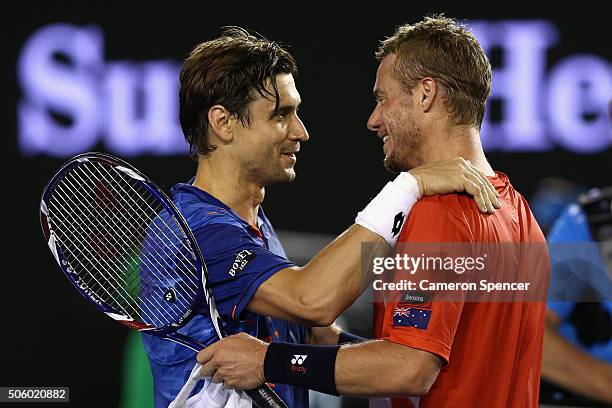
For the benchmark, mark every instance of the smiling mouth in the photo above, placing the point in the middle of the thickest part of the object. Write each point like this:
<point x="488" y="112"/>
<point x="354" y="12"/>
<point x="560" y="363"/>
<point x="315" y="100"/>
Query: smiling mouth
<point x="290" y="156"/>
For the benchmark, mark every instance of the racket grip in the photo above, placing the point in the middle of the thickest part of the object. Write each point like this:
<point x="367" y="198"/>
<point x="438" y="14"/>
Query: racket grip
<point x="264" y="397"/>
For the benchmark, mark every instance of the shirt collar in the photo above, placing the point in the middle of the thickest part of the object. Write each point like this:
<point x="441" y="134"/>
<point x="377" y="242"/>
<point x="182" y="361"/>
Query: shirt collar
<point x="208" y="198"/>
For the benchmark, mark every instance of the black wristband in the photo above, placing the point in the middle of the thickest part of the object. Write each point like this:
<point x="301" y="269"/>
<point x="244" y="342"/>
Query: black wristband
<point x="350" y="338"/>
<point x="302" y="365"/>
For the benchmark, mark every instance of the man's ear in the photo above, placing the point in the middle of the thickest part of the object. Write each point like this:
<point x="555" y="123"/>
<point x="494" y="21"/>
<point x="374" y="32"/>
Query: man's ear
<point x="428" y="92"/>
<point x="221" y="122"/>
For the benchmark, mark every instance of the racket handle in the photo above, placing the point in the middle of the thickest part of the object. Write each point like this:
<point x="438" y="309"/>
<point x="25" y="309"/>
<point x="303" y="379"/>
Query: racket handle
<point x="264" y="397"/>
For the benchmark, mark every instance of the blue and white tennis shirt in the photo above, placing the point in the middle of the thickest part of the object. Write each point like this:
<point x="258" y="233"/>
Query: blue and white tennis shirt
<point x="239" y="258"/>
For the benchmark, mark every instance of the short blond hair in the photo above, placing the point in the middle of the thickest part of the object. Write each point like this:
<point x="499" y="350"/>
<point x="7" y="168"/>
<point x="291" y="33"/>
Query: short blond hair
<point x="440" y="48"/>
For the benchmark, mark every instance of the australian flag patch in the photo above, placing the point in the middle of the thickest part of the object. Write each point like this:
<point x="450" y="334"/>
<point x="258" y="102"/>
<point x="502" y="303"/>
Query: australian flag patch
<point x="411" y="317"/>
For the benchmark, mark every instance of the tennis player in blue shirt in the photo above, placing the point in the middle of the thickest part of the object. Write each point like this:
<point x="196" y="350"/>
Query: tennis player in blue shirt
<point x="239" y="113"/>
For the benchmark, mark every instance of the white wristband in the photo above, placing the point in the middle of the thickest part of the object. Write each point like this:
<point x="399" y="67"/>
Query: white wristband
<point x="386" y="213"/>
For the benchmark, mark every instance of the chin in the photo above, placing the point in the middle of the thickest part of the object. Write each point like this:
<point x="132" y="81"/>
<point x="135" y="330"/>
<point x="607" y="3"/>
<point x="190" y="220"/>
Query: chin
<point x="290" y="175"/>
<point x="283" y="176"/>
<point x="394" y="167"/>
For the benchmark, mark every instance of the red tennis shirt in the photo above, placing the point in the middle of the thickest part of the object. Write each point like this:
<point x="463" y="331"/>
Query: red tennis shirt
<point x="492" y="350"/>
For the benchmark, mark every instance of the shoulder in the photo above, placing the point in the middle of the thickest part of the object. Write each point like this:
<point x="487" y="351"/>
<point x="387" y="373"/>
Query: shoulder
<point x="214" y="227"/>
<point x="439" y="218"/>
<point x="200" y="214"/>
<point x="454" y="208"/>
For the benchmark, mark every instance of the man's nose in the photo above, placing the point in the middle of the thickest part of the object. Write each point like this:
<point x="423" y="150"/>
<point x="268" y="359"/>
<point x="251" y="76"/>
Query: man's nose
<point x="374" y="120"/>
<point x="299" y="131"/>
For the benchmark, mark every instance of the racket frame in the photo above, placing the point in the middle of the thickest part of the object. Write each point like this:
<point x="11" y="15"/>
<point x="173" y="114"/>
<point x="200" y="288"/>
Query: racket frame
<point x="168" y="332"/>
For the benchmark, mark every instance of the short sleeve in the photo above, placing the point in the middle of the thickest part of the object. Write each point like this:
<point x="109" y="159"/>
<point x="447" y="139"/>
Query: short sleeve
<point x="237" y="265"/>
<point x="426" y="325"/>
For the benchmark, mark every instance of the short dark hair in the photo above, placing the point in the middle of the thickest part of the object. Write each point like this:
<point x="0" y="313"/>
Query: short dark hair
<point x="229" y="71"/>
<point x="440" y="48"/>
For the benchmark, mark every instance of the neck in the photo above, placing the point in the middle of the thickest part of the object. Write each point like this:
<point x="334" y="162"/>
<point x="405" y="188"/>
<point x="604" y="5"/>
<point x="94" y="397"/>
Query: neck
<point x="461" y="141"/>
<point x="228" y="184"/>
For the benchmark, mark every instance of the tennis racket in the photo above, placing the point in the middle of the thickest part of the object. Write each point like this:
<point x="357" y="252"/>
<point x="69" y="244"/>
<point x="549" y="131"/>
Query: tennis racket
<point x="126" y="248"/>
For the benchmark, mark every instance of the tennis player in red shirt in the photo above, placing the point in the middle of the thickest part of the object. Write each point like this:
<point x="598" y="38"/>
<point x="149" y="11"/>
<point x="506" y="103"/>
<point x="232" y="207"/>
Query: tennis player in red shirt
<point x="431" y="88"/>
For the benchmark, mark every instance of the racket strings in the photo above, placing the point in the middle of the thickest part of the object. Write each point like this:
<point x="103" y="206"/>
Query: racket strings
<point x="130" y="234"/>
<point x="168" y="244"/>
<point x="185" y="261"/>
<point x="113" y="267"/>
<point x="83" y="257"/>
<point x="138" y="239"/>
<point x="77" y="261"/>
<point x="137" y="192"/>
<point x="106" y="221"/>
<point x="123" y="305"/>
<point x="156" y="246"/>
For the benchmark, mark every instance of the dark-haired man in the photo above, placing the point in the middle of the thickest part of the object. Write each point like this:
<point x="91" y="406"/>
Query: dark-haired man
<point x="239" y="113"/>
<point x="431" y="88"/>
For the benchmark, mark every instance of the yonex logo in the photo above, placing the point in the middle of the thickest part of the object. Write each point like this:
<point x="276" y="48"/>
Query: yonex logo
<point x="170" y="295"/>
<point x="298" y="358"/>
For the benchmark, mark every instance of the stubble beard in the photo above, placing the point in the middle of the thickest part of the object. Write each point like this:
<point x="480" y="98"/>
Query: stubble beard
<point x="279" y="174"/>
<point x="407" y="150"/>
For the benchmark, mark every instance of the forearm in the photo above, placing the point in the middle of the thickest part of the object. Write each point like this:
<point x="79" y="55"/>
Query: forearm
<point x="571" y="368"/>
<point x="381" y="368"/>
<point x="374" y="368"/>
